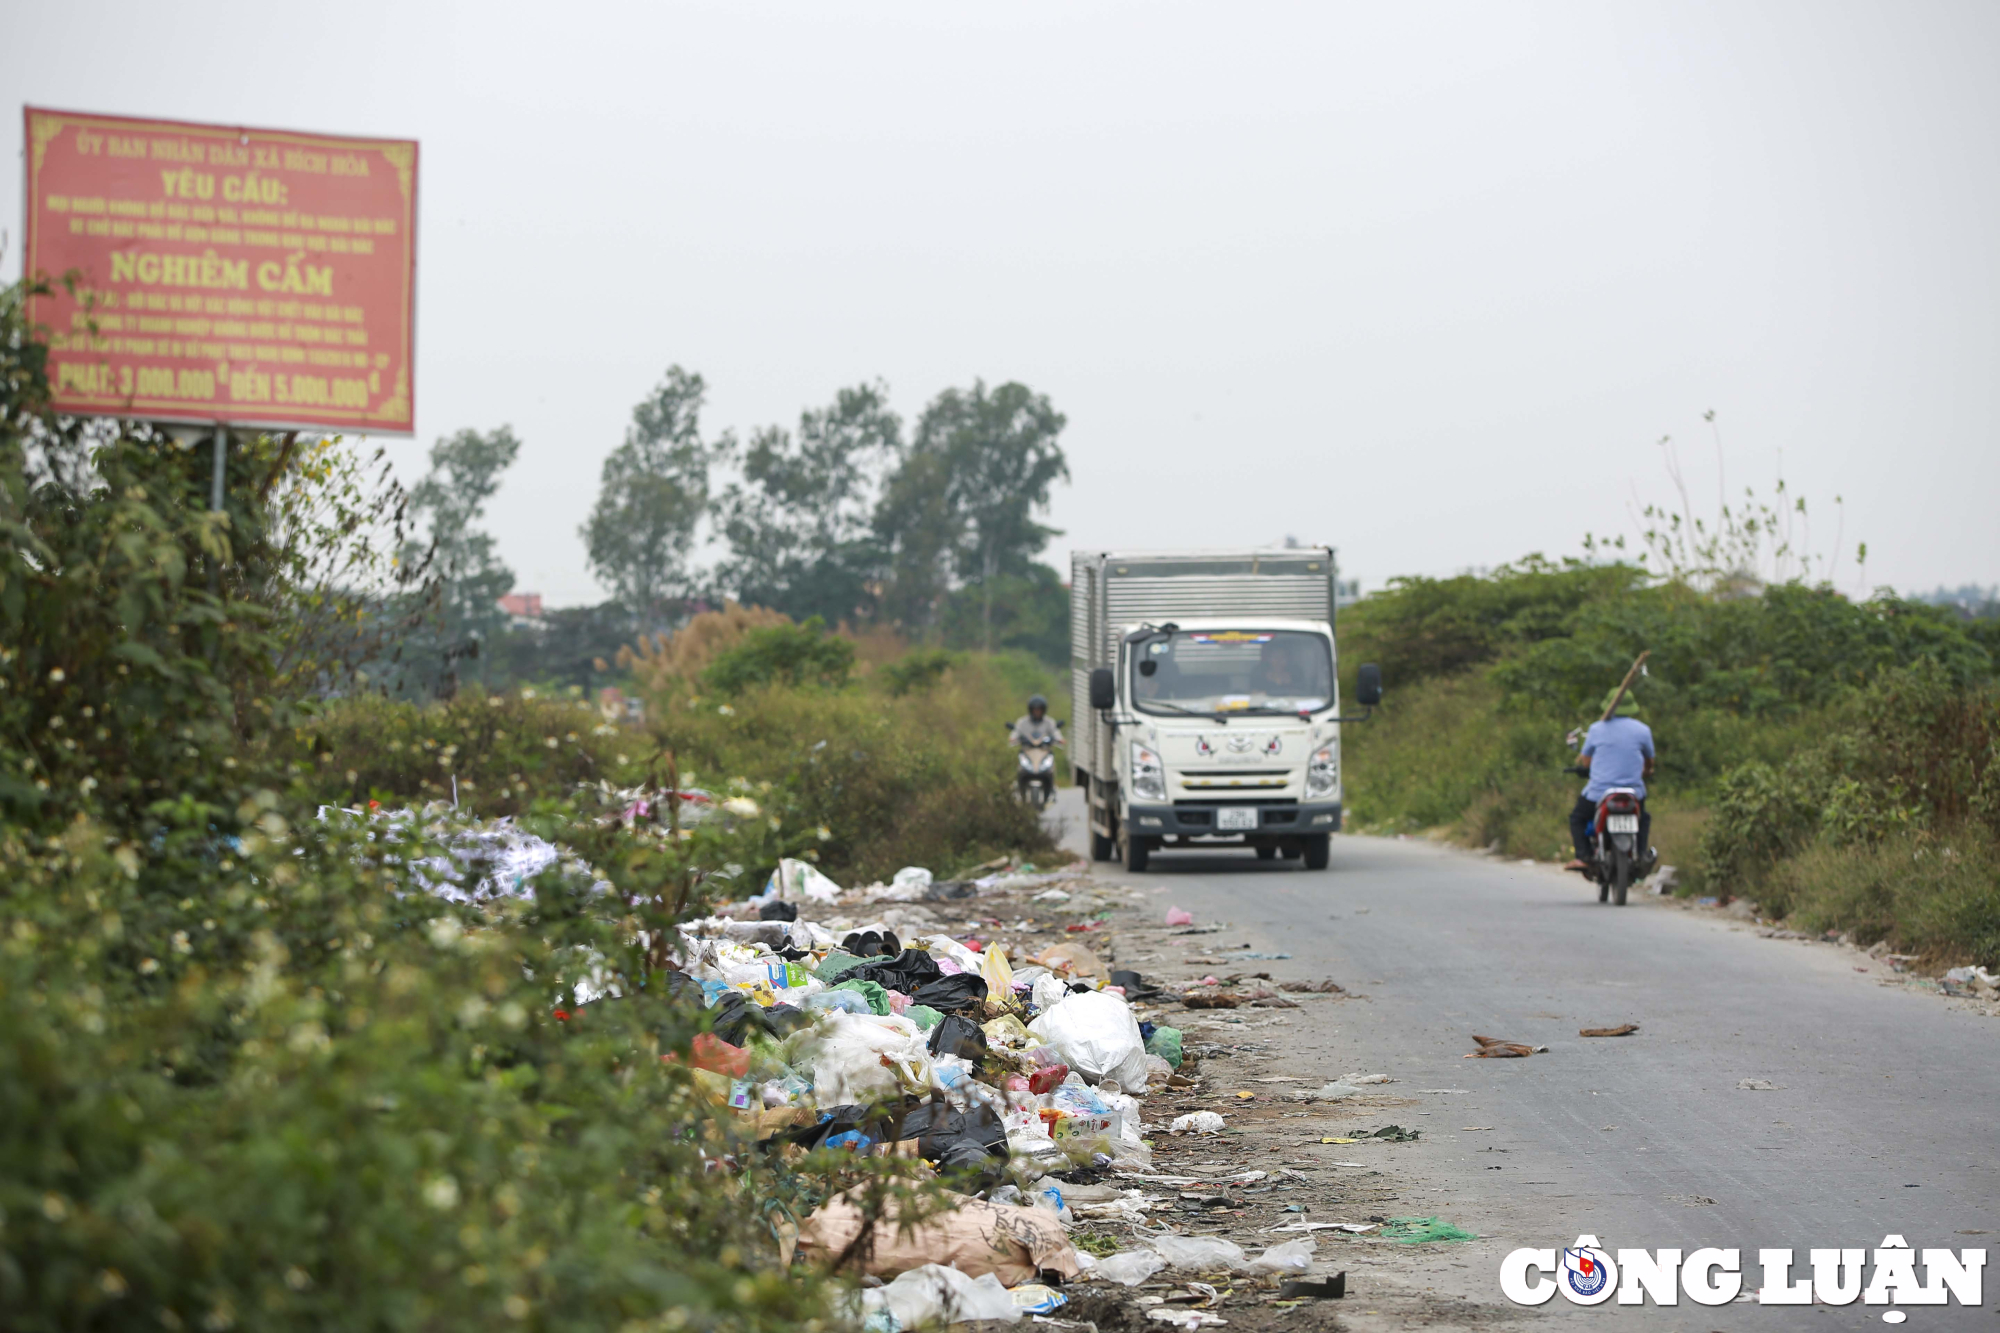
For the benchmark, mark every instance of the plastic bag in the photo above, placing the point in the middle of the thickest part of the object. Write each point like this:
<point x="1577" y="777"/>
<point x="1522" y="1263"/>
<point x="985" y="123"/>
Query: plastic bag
<point x="1097" y="1036"/>
<point x="1196" y="1122"/>
<point x="872" y="992"/>
<point x="860" y="1058"/>
<point x="1165" y="1043"/>
<point x="994" y="970"/>
<point x="796" y="879"/>
<point x="944" y="946"/>
<point x="912" y="877"/>
<point x="847" y="1001"/>
<point x="936" y="1295"/>
<point x="1074" y="960"/>
<point x="1014" y="1244"/>
<point x="1291" y="1259"/>
<point x="907" y="971"/>
<point x="1332" y="1092"/>
<point x="973" y="1139"/>
<point x="1048" y="991"/>
<point x="1205" y="1253"/>
<point x="958" y="1035"/>
<point x="965" y="991"/>
<point x="1128" y="1268"/>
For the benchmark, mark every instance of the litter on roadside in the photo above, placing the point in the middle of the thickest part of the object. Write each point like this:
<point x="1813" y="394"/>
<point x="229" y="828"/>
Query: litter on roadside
<point x="1494" y="1048"/>
<point x="1416" y="1230"/>
<point x="1622" y="1030"/>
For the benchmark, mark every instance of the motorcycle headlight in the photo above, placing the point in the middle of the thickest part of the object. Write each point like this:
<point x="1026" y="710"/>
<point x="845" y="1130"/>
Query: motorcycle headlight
<point x="1323" y="770"/>
<point x="1149" y="777"/>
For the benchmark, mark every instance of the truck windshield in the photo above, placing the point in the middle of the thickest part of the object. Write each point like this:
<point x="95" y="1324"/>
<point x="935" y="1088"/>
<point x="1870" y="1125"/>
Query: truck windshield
<point x="1233" y="671"/>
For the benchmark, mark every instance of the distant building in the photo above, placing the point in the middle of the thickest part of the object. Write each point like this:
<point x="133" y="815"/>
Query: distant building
<point x="522" y="605"/>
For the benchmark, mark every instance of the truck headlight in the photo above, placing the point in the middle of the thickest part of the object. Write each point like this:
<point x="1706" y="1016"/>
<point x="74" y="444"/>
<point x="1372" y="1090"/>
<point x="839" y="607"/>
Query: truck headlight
<point x="1149" y="778"/>
<point x="1323" y="770"/>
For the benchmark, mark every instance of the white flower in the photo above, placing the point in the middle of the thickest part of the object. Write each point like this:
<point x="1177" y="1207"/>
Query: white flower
<point x="742" y="806"/>
<point x="725" y="710"/>
<point x="441" y="1193"/>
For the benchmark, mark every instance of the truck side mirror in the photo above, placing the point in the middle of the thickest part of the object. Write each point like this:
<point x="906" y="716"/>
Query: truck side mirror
<point x="1368" y="685"/>
<point x="1103" y="688"/>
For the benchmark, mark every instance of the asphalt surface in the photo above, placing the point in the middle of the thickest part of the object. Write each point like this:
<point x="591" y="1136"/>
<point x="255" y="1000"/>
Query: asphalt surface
<point x="1882" y="1121"/>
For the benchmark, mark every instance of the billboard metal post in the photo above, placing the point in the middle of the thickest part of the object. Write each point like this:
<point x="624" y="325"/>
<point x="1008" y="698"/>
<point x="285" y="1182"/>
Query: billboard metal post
<point x="221" y="458"/>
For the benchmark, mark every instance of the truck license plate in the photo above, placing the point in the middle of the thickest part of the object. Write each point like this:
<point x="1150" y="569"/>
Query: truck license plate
<point x="1238" y="818"/>
<point x="1621" y="823"/>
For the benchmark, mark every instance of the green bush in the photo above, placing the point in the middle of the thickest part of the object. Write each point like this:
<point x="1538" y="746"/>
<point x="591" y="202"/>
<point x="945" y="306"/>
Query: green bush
<point x="1931" y="896"/>
<point x="921" y="779"/>
<point x="785" y="655"/>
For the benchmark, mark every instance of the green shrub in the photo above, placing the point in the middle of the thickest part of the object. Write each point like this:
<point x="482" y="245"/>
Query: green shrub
<point x="502" y="750"/>
<point x="1936" y="897"/>
<point x="923" y="779"/>
<point x="917" y="670"/>
<point x="786" y="655"/>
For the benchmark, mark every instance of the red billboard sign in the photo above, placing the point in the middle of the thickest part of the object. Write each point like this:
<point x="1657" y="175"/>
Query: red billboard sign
<point x="256" y="277"/>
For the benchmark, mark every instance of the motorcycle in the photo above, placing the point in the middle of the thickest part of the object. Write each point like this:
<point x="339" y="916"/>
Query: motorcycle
<point x="1035" y="772"/>
<point x="1615" y="859"/>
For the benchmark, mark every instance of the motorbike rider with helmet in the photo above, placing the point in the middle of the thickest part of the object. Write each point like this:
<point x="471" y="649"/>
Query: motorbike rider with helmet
<point x="1617" y="752"/>
<point x="1036" y="727"/>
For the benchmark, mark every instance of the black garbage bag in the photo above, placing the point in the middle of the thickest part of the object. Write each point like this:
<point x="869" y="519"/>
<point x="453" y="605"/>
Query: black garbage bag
<point x="950" y="994"/>
<point x="947" y="890"/>
<point x="970" y="1140"/>
<point x="735" y="1017"/>
<point x="856" y="1128"/>
<point x="778" y="910"/>
<point x="960" y="1036"/>
<point x="905" y="972"/>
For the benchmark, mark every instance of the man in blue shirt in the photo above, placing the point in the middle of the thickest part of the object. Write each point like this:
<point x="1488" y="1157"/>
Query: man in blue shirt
<point x="1617" y="752"/>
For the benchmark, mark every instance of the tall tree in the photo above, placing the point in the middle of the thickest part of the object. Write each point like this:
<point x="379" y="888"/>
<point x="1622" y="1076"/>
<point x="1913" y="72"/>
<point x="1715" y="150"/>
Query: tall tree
<point x="797" y="523"/>
<point x="465" y="472"/>
<point x="652" y="496"/>
<point x="979" y="469"/>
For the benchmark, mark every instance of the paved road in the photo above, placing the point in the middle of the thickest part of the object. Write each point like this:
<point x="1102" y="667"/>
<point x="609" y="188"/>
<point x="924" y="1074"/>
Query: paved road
<point x="1884" y="1121"/>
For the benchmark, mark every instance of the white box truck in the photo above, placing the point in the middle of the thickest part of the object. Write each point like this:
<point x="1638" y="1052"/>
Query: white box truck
<point x="1206" y="701"/>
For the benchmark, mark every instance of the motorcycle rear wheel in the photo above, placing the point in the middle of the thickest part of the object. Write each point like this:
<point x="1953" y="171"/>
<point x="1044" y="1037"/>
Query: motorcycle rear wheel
<point x="1603" y="885"/>
<point x="1621" y="876"/>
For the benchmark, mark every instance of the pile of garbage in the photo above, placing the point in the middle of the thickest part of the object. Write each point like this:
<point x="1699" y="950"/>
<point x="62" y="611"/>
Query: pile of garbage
<point x="845" y="1020"/>
<point x="1021" y="1080"/>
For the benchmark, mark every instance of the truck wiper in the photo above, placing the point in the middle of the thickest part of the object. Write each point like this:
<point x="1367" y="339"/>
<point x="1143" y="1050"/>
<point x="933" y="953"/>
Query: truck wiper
<point x="1150" y="704"/>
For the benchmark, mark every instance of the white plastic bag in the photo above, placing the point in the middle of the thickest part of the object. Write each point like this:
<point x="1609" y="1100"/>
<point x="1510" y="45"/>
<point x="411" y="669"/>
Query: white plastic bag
<point x="1291" y="1259"/>
<point x="862" y="1058"/>
<point x="1331" y="1092"/>
<point x="1206" y="1253"/>
<point x="798" y="879"/>
<point x="1097" y="1036"/>
<point x="1196" y="1122"/>
<point x="912" y="877"/>
<point x="936" y="1295"/>
<point x="1048" y="991"/>
<point x="1129" y="1268"/>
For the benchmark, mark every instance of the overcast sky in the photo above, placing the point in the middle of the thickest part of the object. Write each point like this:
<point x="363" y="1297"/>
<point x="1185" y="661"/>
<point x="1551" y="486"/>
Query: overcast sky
<point x="1426" y="282"/>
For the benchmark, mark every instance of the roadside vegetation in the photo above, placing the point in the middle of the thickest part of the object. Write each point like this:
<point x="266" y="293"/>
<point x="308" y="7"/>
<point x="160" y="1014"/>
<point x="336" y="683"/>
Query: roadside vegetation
<point x="255" y="1074"/>
<point x="1832" y="759"/>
